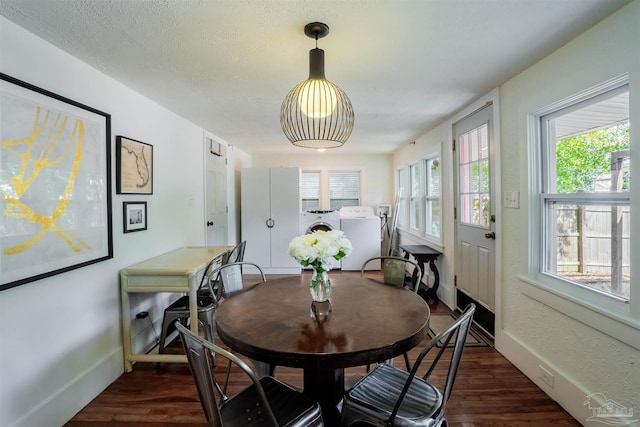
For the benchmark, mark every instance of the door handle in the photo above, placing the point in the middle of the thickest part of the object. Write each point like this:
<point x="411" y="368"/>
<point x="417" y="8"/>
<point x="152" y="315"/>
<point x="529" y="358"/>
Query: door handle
<point x="491" y="235"/>
<point x="270" y="223"/>
<point x="209" y="223"/>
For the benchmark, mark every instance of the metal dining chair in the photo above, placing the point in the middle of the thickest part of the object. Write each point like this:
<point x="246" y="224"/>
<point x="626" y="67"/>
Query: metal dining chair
<point x="179" y="309"/>
<point x="266" y="402"/>
<point x="230" y="281"/>
<point x="394" y="270"/>
<point x="389" y="396"/>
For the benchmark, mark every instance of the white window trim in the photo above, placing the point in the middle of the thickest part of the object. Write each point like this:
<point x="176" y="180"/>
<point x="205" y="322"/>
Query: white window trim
<point x="602" y="312"/>
<point x="403" y="200"/>
<point x="416" y="201"/>
<point x="430" y="237"/>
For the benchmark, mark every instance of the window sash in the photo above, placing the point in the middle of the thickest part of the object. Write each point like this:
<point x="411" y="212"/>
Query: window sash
<point x="432" y="205"/>
<point x="344" y="189"/>
<point x="310" y="190"/>
<point x="583" y="250"/>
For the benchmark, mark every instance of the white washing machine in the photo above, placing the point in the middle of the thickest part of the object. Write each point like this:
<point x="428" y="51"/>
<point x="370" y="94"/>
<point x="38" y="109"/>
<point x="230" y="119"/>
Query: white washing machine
<point x="362" y="227"/>
<point x="311" y="221"/>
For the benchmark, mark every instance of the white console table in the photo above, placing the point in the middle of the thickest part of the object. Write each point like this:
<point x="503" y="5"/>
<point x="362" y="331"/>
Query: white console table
<point x="177" y="271"/>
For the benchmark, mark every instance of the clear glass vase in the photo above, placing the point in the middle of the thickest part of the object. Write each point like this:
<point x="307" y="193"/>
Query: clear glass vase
<point x="320" y="286"/>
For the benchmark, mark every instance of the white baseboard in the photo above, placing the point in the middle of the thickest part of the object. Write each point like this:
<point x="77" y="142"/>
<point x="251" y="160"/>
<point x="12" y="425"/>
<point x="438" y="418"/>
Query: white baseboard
<point x="75" y="395"/>
<point x="565" y="391"/>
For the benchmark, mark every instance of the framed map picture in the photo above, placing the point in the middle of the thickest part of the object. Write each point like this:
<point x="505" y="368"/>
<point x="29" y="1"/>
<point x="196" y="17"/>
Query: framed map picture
<point x="55" y="184"/>
<point x="134" y="166"/>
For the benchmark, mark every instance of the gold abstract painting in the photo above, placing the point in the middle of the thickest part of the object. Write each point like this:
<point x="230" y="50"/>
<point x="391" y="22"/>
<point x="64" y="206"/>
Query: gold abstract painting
<point x="54" y="181"/>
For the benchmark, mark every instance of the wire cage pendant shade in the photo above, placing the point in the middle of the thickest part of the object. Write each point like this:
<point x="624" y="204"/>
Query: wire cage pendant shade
<point x="317" y="113"/>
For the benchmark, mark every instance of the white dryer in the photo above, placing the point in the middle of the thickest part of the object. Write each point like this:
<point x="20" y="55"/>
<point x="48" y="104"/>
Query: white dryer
<point x="362" y="227"/>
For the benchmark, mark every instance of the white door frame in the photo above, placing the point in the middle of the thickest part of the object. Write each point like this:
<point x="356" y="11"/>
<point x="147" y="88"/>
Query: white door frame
<point x="492" y="97"/>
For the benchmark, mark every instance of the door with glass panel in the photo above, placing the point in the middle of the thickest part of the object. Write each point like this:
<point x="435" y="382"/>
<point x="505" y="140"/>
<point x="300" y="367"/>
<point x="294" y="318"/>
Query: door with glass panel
<point x="475" y="210"/>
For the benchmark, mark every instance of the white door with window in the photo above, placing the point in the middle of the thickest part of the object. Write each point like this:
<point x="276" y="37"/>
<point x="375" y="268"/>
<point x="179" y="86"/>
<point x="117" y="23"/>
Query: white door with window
<point x="475" y="208"/>
<point x="215" y="192"/>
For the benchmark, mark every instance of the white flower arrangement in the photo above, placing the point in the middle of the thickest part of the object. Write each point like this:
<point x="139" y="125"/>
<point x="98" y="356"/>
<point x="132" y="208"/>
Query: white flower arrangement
<point x="319" y="248"/>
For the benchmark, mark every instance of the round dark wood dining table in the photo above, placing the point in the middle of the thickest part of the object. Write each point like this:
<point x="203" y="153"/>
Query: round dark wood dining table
<point x="369" y="322"/>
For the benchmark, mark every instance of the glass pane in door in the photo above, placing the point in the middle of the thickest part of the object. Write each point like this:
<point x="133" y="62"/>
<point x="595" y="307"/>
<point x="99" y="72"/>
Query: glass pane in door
<point x="474" y="177"/>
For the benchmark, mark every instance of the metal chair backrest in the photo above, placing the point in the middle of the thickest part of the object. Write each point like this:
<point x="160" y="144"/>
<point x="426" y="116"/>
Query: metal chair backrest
<point x="200" y="356"/>
<point x="237" y="253"/>
<point x="213" y="264"/>
<point x="230" y="277"/>
<point x="458" y="329"/>
<point x="394" y="271"/>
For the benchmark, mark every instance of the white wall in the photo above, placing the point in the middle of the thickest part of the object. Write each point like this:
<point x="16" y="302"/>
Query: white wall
<point x="529" y="332"/>
<point x="375" y="170"/>
<point x="583" y="359"/>
<point x="60" y="338"/>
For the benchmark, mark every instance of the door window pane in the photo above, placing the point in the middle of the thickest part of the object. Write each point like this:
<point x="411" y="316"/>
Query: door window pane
<point x="473" y="182"/>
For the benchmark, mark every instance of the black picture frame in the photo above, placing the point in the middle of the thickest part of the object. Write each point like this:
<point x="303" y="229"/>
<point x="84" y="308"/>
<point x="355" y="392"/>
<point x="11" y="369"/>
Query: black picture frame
<point x="134" y="216"/>
<point x="134" y="166"/>
<point x="55" y="180"/>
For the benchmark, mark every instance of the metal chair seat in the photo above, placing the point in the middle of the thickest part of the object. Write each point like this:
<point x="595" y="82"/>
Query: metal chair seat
<point x="370" y="398"/>
<point x="245" y="410"/>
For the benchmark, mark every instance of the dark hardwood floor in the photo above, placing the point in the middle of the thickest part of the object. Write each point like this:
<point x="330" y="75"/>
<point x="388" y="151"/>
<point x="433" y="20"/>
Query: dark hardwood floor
<point x="489" y="391"/>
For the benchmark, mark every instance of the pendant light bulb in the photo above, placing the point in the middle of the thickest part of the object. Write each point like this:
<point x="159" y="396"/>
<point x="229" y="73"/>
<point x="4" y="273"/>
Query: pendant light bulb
<point x="317" y="99"/>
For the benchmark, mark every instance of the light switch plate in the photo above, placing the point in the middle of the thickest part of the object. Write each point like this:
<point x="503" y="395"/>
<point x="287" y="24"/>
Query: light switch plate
<point x="512" y="199"/>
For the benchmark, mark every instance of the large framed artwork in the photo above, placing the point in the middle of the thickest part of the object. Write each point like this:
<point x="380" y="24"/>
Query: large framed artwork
<point x="55" y="184"/>
<point x="134" y="166"/>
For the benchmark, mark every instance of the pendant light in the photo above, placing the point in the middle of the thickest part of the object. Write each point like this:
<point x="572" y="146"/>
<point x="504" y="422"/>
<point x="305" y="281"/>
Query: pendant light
<point x="316" y="113"/>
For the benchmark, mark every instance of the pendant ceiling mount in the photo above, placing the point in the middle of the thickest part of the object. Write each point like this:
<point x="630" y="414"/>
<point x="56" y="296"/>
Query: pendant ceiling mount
<point x="317" y="113"/>
<point x="316" y="30"/>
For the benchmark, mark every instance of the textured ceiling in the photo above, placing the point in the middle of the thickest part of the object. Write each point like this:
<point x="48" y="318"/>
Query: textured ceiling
<point x="227" y="65"/>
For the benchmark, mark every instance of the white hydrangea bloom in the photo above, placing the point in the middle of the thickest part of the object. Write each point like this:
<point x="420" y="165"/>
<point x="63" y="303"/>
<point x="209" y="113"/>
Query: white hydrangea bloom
<point x="319" y="248"/>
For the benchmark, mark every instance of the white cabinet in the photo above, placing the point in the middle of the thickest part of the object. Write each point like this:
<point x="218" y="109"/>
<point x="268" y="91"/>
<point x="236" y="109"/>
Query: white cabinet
<point x="270" y="217"/>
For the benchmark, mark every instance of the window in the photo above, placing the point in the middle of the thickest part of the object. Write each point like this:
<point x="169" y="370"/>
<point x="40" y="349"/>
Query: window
<point x="310" y="190"/>
<point x="414" y="199"/>
<point x="585" y="196"/>
<point x="403" y="186"/>
<point x="344" y="189"/>
<point x="432" y="197"/>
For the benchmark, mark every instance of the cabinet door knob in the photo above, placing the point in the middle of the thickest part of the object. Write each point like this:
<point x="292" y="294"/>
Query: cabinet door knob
<point x="209" y="223"/>
<point x="270" y="223"/>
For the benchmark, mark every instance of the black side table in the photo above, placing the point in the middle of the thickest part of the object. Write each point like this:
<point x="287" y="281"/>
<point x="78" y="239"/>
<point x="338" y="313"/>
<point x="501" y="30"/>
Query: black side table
<point x="424" y="254"/>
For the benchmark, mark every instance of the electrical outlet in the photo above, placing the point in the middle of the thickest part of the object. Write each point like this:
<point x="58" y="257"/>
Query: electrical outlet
<point x="545" y="376"/>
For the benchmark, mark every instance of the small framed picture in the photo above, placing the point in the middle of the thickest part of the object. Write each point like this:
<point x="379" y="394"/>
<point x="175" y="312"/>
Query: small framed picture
<point x="134" y="216"/>
<point x="134" y="166"/>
